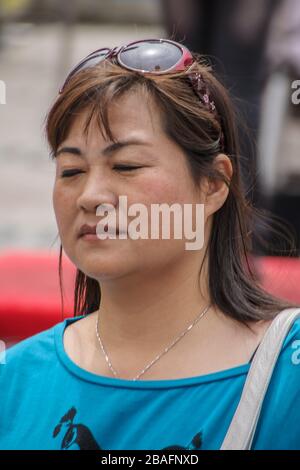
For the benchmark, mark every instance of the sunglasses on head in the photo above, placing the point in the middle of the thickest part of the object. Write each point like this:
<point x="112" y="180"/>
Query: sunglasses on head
<point x="154" y="56"/>
<point x="151" y="56"/>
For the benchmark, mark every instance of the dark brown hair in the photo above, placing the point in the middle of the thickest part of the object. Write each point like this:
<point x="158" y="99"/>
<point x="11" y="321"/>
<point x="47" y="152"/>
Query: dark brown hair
<point x="233" y="285"/>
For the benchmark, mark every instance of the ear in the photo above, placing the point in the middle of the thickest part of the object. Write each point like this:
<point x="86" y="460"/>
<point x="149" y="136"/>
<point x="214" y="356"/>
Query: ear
<point x="216" y="190"/>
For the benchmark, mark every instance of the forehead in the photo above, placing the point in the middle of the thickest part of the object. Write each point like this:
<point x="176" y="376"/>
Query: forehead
<point x="131" y="113"/>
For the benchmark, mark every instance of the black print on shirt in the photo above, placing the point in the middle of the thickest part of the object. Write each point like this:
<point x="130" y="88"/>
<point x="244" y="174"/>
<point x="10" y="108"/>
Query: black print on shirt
<point x="75" y="435"/>
<point x="79" y="436"/>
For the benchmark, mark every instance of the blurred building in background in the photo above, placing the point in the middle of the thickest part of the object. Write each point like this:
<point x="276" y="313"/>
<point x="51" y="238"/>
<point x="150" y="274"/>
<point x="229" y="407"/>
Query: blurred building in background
<point x="95" y="11"/>
<point x="279" y="140"/>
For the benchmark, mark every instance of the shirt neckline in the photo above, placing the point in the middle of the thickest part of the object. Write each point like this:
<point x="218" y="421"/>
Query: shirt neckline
<point x="115" y="382"/>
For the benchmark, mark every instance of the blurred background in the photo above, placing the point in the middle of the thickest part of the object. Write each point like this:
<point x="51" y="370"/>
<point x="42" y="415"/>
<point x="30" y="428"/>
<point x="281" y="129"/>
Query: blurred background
<point x="254" y="47"/>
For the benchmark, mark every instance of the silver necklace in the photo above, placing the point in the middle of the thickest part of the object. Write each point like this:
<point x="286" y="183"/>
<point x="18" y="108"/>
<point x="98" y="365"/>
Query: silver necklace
<point x="157" y="357"/>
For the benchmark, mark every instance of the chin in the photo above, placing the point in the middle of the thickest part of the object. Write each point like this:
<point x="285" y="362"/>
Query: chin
<point x="103" y="267"/>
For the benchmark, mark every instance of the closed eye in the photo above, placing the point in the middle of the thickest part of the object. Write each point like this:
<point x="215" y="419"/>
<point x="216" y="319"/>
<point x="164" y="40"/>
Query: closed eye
<point x="68" y="173"/>
<point x="126" y="167"/>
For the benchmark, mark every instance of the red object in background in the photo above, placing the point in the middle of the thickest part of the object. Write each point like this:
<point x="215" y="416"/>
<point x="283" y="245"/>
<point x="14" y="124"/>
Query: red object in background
<point x="280" y="276"/>
<point x="30" y="295"/>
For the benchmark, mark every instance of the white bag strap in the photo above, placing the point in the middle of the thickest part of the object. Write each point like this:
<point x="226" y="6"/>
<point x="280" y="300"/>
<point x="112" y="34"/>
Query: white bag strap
<point x="242" y="427"/>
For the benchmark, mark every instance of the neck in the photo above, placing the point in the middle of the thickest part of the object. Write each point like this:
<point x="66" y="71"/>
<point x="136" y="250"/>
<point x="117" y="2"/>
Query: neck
<point x="145" y="313"/>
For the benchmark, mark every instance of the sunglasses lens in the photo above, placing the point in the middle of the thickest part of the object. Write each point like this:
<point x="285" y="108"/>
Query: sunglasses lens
<point x="151" y="56"/>
<point x="91" y="60"/>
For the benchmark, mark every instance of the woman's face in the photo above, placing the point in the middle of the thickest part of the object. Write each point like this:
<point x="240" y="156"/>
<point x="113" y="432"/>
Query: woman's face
<point x="102" y="177"/>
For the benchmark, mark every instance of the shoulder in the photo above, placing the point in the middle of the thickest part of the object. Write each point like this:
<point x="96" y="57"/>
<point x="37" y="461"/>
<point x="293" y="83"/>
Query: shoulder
<point x="279" y="423"/>
<point x="30" y="354"/>
<point x="285" y="380"/>
<point x="290" y="351"/>
<point x="289" y="355"/>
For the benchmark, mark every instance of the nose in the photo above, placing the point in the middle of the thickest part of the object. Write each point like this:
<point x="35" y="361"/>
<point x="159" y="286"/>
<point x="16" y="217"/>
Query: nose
<point x="96" y="191"/>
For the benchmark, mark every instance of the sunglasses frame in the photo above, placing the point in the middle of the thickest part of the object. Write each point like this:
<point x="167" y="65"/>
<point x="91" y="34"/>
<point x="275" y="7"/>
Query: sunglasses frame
<point x="185" y="61"/>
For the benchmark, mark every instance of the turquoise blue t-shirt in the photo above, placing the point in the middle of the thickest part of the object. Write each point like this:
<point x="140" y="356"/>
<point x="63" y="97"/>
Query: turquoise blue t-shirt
<point x="48" y="402"/>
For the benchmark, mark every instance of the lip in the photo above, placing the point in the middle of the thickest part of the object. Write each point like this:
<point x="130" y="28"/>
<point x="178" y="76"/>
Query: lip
<point x="90" y="237"/>
<point x="86" y="229"/>
<point x="89" y="231"/>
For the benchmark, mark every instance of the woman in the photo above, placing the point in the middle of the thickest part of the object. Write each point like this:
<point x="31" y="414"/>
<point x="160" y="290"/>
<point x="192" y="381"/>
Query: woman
<point x="162" y="339"/>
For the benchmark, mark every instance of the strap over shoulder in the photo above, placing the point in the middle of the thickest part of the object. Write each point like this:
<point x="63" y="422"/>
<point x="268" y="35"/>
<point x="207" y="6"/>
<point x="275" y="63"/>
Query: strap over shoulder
<point x="242" y="427"/>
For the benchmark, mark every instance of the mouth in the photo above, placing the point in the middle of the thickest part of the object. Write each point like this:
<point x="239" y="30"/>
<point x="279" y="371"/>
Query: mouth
<point x="111" y="230"/>
<point x="90" y="232"/>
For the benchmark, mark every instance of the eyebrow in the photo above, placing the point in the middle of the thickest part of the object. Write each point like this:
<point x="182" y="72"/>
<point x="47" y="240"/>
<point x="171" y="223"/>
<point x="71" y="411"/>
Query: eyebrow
<point x="107" y="151"/>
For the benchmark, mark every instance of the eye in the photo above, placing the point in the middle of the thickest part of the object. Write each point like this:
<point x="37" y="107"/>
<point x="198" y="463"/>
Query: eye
<point x="126" y="167"/>
<point x="68" y="173"/>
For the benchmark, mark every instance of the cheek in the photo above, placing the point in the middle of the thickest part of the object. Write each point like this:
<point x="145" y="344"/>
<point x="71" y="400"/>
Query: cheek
<point x="164" y="188"/>
<point x="62" y="205"/>
<point x="161" y="187"/>
<point x="159" y="190"/>
<point x="55" y="199"/>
